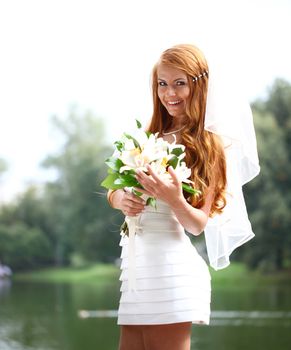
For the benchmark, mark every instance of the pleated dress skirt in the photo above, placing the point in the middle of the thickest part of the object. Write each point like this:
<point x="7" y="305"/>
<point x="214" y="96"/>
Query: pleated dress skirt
<point x="172" y="280"/>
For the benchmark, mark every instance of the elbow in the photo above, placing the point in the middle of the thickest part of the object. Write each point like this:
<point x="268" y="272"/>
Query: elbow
<point x="200" y="226"/>
<point x="197" y="231"/>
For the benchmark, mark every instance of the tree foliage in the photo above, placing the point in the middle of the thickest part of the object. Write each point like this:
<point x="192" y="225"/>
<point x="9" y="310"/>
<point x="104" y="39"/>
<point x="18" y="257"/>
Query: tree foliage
<point x="81" y="215"/>
<point x="23" y="247"/>
<point x="69" y="214"/>
<point x="269" y="195"/>
<point x="25" y="240"/>
<point x="3" y="166"/>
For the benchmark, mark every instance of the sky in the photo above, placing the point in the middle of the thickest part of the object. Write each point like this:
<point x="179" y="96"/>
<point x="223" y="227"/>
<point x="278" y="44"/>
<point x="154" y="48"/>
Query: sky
<point x="98" y="55"/>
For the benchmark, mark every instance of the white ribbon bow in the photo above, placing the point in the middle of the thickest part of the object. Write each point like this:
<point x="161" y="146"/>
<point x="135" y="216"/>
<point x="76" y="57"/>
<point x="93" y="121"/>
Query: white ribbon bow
<point x="132" y="224"/>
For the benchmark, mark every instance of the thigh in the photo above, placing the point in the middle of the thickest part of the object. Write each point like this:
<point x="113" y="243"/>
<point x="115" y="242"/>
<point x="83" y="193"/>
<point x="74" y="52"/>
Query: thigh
<point x="131" y="338"/>
<point x="174" y="336"/>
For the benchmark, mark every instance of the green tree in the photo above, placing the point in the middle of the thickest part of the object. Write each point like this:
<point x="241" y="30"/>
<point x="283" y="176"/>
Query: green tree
<point x="3" y="166"/>
<point x="269" y="195"/>
<point x="23" y="247"/>
<point x="83" y="221"/>
<point x="67" y="220"/>
<point x="26" y="236"/>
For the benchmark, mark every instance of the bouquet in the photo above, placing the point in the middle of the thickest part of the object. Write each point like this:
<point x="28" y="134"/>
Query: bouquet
<point x="135" y="152"/>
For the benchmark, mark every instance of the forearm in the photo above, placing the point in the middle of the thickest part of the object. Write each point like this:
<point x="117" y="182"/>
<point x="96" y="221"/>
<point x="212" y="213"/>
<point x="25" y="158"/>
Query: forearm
<point x="192" y="219"/>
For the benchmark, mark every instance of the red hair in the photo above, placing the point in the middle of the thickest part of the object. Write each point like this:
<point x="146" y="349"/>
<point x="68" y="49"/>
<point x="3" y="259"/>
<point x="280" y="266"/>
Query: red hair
<point x="204" y="150"/>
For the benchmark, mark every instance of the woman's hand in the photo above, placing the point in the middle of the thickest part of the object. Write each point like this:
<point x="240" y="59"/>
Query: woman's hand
<point x="169" y="191"/>
<point x="128" y="203"/>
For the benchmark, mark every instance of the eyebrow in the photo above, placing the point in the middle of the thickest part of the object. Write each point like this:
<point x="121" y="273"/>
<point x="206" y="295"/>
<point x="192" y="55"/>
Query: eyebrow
<point x="174" y="80"/>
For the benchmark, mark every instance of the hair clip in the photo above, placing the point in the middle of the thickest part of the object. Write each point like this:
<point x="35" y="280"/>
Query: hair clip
<point x="199" y="76"/>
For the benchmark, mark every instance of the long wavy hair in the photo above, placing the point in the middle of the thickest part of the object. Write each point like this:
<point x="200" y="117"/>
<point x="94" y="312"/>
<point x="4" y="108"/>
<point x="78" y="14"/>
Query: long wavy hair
<point x="204" y="150"/>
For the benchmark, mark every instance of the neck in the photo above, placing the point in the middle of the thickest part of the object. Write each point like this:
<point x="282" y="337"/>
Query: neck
<point x="178" y="123"/>
<point x="174" y="131"/>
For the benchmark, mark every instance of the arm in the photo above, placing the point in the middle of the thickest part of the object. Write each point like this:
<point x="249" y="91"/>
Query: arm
<point x="192" y="219"/>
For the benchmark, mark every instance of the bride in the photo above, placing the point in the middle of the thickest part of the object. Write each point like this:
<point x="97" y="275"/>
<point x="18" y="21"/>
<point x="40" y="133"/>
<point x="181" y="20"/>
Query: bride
<point x="173" y="289"/>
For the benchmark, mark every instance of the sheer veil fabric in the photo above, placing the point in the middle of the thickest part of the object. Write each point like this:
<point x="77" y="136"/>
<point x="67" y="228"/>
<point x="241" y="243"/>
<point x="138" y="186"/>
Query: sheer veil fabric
<point x="229" y="115"/>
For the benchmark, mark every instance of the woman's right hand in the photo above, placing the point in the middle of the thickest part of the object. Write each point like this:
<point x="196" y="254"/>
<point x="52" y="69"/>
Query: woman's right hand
<point x="128" y="203"/>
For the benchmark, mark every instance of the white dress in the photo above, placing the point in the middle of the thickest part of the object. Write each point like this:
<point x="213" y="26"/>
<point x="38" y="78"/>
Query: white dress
<point x="173" y="283"/>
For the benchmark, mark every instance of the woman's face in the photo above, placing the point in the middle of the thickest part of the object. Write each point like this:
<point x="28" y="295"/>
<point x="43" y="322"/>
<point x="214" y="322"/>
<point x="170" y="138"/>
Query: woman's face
<point x="173" y="91"/>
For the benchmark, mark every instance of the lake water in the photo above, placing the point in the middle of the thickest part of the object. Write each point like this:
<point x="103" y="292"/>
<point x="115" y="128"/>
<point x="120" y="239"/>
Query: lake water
<point x="39" y="316"/>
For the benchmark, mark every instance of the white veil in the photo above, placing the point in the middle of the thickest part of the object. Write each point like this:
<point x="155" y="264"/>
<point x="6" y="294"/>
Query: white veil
<point x="228" y="114"/>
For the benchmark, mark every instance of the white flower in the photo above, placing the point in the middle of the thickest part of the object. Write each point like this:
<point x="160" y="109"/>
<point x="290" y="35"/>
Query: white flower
<point x="128" y="144"/>
<point x="141" y="137"/>
<point x="183" y="173"/>
<point x="159" y="166"/>
<point x="146" y="149"/>
<point x="151" y="149"/>
<point x="155" y="151"/>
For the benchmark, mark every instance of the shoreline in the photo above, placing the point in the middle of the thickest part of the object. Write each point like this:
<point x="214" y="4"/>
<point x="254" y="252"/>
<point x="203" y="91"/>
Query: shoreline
<point x="236" y="274"/>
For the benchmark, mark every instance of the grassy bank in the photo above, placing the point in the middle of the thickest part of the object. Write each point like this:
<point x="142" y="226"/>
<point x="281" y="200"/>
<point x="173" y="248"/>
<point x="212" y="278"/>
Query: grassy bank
<point x="97" y="273"/>
<point x="238" y="275"/>
<point x="234" y="275"/>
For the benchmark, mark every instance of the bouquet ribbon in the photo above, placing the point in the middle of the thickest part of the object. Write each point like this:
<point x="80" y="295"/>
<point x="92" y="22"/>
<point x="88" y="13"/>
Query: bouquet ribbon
<point x="132" y="224"/>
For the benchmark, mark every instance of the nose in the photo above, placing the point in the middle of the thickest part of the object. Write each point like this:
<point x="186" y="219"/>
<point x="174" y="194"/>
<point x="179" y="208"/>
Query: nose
<point x="171" y="91"/>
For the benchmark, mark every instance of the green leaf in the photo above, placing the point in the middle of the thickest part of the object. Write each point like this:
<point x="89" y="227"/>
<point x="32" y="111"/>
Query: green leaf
<point x="177" y="151"/>
<point x="126" y="181"/>
<point x="124" y="228"/>
<point x="152" y="202"/>
<point x="139" y="194"/>
<point x="173" y="161"/>
<point x="190" y="189"/>
<point x="108" y="182"/>
<point x="120" y="181"/>
<point x="114" y="163"/>
<point x="148" y="133"/>
<point x="138" y="124"/>
<point x="129" y="172"/>
<point x="136" y="144"/>
<point x="119" y="145"/>
<point x="129" y="177"/>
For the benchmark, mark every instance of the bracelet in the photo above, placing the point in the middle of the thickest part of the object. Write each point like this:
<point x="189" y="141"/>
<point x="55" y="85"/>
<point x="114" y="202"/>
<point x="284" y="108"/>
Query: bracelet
<point x="109" y="197"/>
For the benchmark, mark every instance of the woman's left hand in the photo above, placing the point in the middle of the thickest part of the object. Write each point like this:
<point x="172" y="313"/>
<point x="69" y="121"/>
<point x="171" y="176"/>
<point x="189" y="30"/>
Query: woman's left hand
<point x="169" y="191"/>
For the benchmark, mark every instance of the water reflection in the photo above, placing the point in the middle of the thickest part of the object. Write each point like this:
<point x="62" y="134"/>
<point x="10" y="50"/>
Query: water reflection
<point x="38" y="316"/>
<point x="5" y="285"/>
<point x="230" y="318"/>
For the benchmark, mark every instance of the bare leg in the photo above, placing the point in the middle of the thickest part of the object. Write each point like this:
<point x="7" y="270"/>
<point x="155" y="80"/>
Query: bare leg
<point x="174" y="336"/>
<point x="131" y="338"/>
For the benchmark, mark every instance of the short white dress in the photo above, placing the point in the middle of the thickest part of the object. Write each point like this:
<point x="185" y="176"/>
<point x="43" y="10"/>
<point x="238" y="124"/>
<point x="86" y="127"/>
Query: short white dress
<point x="173" y="283"/>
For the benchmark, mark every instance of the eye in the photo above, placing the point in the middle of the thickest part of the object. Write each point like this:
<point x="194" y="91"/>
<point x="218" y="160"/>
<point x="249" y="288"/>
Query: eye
<point x="180" y="83"/>
<point x="162" y="83"/>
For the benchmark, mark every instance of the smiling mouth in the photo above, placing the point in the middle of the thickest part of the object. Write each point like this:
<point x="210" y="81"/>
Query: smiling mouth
<point x="174" y="103"/>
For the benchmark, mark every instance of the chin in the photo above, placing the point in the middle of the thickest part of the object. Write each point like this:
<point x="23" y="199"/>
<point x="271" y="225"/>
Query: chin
<point x="173" y="114"/>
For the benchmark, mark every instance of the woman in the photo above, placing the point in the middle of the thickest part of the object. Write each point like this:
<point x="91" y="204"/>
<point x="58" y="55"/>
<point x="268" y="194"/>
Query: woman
<point x="172" y="280"/>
